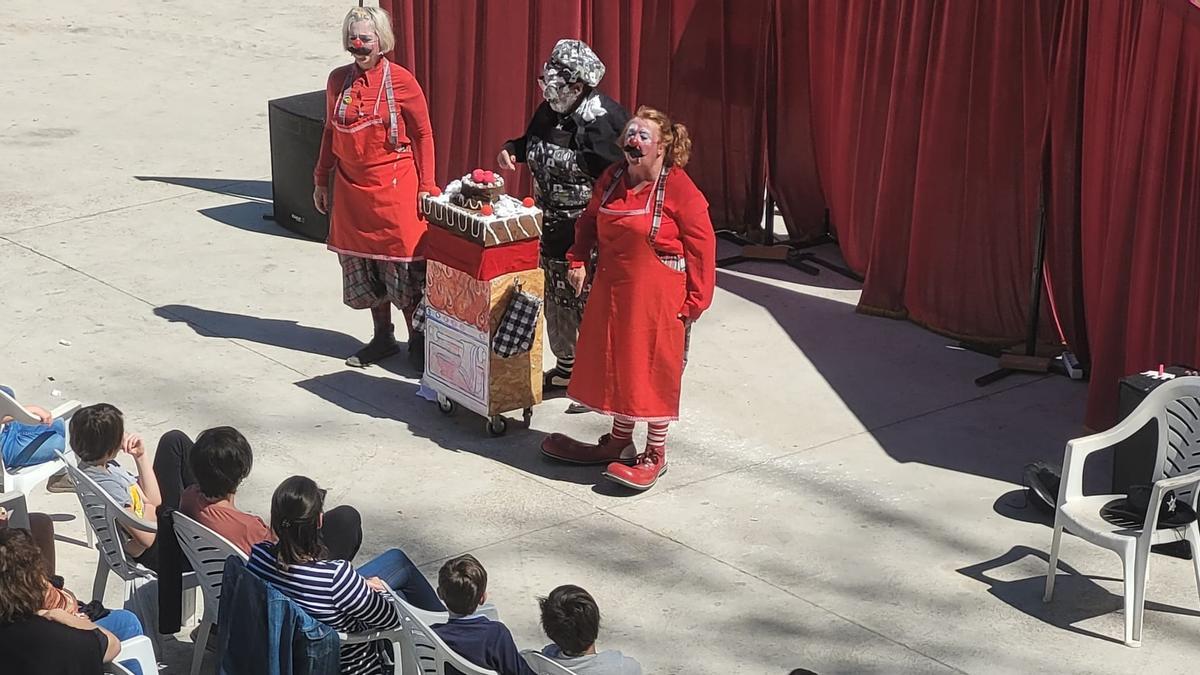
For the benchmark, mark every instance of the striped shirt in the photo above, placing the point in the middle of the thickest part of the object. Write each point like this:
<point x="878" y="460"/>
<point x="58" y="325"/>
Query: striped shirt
<point x="332" y="592"/>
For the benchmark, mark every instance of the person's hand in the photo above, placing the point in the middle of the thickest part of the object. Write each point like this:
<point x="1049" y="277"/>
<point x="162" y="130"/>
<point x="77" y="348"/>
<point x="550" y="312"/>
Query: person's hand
<point x="133" y="446"/>
<point x="377" y="584"/>
<point x="576" y="276"/>
<point x="506" y="160"/>
<point x="40" y="413"/>
<point x="321" y="198"/>
<point x="422" y="195"/>
<point x="687" y="320"/>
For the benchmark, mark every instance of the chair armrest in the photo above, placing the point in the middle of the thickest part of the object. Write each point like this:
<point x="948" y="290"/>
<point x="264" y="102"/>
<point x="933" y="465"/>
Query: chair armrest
<point x="1159" y="491"/>
<point x="391" y="634"/>
<point x="65" y="410"/>
<point x="430" y="618"/>
<point x="128" y="520"/>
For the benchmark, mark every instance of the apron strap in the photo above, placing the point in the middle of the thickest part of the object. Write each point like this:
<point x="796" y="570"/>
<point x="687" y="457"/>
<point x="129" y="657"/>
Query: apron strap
<point x="612" y="184"/>
<point x="393" y="134"/>
<point x="660" y="193"/>
<point x="340" y="112"/>
<point x="385" y="88"/>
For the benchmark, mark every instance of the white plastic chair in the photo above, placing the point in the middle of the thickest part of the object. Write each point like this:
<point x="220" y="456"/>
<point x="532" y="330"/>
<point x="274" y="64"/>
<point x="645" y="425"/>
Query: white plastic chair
<point x="25" y="478"/>
<point x="421" y="651"/>
<point x="137" y="649"/>
<point x="206" y="551"/>
<point x="544" y="665"/>
<point x="107" y="518"/>
<point x="1175" y="406"/>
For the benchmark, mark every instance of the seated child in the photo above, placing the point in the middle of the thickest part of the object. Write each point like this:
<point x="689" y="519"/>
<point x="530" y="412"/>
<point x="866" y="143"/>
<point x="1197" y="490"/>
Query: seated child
<point x="97" y="436"/>
<point x="571" y="619"/>
<point x="462" y="586"/>
<point x="221" y="459"/>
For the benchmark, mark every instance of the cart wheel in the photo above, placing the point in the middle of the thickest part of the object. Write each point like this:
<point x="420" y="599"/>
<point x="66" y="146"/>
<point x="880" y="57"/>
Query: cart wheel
<point x="527" y="415"/>
<point x="445" y="405"/>
<point x="497" y="425"/>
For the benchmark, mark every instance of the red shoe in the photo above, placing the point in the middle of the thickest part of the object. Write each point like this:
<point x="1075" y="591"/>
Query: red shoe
<point x="642" y="475"/>
<point x="567" y="449"/>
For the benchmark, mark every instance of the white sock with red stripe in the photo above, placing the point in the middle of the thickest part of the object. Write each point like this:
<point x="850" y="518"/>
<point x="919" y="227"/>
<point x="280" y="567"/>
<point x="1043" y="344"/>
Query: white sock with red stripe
<point x="656" y="435"/>
<point x="622" y="429"/>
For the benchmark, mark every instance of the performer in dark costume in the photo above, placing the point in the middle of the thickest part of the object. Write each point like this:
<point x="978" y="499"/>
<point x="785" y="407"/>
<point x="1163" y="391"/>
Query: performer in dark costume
<point x="573" y="137"/>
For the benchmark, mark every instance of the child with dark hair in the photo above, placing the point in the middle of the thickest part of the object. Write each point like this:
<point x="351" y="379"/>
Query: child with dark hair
<point x="332" y="591"/>
<point x="221" y="459"/>
<point x="571" y="619"/>
<point x="462" y="586"/>
<point x="97" y="435"/>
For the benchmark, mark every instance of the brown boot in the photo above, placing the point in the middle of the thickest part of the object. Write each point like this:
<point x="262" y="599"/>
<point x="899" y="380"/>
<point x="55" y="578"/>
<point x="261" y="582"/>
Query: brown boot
<point x="642" y="475"/>
<point x="606" y="451"/>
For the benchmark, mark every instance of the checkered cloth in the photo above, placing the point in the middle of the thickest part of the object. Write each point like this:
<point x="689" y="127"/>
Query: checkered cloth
<point x="418" y="317"/>
<point x="519" y="325"/>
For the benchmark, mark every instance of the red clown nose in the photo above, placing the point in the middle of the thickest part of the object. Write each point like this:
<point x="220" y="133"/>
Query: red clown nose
<point x="357" y="43"/>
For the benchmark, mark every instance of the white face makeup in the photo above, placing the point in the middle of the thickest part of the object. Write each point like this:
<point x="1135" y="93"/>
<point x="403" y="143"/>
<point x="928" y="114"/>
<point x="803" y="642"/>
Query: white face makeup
<point x="641" y="143"/>
<point x="364" y="43"/>
<point x="560" y="95"/>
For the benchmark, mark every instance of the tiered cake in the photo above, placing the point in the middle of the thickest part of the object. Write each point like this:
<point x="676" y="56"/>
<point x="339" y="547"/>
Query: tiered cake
<point x="475" y="208"/>
<point x="471" y="277"/>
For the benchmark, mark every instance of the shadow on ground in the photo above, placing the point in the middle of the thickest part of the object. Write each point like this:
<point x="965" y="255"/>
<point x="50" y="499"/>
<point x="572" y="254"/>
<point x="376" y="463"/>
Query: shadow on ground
<point x="252" y="215"/>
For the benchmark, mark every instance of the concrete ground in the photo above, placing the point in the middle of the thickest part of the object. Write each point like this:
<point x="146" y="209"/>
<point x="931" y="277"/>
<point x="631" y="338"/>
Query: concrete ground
<point x="841" y="496"/>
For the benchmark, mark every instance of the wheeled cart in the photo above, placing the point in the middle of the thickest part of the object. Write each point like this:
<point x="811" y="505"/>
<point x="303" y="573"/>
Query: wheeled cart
<point x="482" y="249"/>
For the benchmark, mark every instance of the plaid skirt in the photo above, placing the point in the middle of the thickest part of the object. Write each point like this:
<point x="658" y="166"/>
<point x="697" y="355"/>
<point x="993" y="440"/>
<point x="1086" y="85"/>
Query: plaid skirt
<point x="367" y="282"/>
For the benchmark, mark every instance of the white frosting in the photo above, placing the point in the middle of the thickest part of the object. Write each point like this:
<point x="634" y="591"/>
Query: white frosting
<point x="509" y="215"/>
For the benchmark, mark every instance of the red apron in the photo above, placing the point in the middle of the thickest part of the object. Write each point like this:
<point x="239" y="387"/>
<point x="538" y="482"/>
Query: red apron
<point x="375" y="183"/>
<point x="630" y="353"/>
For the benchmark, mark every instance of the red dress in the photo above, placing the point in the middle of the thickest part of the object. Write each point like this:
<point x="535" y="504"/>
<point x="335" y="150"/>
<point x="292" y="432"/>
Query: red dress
<point x="656" y="261"/>
<point x="378" y="146"/>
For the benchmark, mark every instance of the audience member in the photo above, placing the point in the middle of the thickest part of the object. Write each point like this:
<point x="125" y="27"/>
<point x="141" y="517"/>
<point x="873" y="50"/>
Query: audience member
<point x="571" y="618"/>
<point x="97" y="436"/>
<point x="34" y="639"/>
<point x="221" y="459"/>
<point x="462" y="586"/>
<point x="332" y="591"/>
<point x="31" y="444"/>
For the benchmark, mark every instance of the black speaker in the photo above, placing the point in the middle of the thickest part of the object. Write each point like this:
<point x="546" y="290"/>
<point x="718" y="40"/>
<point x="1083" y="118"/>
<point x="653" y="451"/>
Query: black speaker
<point x="1133" y="458"/>
<point x="297" y="123"/>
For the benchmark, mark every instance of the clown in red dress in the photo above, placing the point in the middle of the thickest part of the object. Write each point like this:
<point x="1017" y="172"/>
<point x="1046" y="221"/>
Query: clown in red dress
<point x="377" y="153"/>
<point x="654" y="276"/>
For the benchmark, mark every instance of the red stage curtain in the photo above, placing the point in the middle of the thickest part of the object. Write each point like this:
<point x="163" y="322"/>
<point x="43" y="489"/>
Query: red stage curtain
<point x="1140" y="191"/>
<point x="928" y="125"/>
<point x="698" y="60"/>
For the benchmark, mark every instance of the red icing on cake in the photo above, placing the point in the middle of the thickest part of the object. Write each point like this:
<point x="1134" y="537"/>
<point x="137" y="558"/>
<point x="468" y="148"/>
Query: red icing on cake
<point x="486" y="210"/>
<point x="527" y="202"/>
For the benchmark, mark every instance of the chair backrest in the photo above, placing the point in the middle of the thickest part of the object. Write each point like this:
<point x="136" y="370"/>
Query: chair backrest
<point x="105" y="516"/>
<point x="422" y="651"/>
<point x="1176" y="406"/>
<point x="206" y="551"/>
<point x="544" y="665"/>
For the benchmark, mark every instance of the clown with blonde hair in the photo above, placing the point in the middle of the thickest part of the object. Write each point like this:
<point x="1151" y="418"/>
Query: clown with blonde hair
<point x="377" y="156"/>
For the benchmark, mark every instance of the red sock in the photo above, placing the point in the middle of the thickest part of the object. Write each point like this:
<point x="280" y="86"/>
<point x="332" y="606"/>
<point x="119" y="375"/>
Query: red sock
<point x="622" y="429"/>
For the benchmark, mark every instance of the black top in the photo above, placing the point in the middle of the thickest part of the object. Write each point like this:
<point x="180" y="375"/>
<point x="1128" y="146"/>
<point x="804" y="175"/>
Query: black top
<point x="38" y="646"/>
<point x="566" y="153"/>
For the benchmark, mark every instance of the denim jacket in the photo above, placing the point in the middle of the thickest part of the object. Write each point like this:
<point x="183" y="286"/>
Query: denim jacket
<point x="264" y="633"/>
